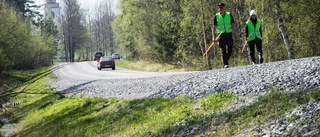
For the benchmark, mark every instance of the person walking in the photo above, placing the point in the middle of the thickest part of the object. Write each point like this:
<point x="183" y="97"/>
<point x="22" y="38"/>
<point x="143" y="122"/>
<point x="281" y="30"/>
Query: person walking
<point x="223" y="23"/>
<point x="254" y="36"/>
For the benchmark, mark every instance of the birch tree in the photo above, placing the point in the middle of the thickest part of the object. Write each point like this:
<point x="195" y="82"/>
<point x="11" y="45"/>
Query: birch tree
<point x="283" y="31"/>
<point x="102" y="31"/>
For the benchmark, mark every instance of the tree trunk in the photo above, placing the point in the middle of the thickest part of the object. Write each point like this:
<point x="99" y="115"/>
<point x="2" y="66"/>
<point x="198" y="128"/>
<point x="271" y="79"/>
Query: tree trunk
<point x="265" y="21"/>
<point x="203" y="48"/>
<point x="282" y="29"/>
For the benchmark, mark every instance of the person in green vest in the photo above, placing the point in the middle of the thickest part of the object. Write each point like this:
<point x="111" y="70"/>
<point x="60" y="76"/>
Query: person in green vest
<point x="254" y="36"/>
<point x="224" y="23"/>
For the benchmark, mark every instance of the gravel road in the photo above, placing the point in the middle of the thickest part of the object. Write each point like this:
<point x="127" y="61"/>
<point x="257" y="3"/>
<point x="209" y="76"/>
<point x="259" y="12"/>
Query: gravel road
<point x="83" y="79"/>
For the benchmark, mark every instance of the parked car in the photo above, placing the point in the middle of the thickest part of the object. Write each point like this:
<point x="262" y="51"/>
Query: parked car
<point x="115" y="56"/>
<point x="97" y="55"/>
<point x="106" y="62"/>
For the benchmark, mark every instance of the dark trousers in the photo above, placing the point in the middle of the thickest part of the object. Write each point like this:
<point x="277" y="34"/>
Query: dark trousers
<point x="226" y="45"/>
<point x="258" y="44"/>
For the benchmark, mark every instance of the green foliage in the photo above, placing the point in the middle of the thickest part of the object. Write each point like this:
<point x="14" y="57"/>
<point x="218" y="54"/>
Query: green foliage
<point x="171" y="31"/>
<point x="25" y="8"/>
<point x="50" y="39"/>
<point x="74" y="29"/>
<point x="137" y="36"/>
<point x="303" y="27"/>
<point x="11" y="36"/>
<point x="20" y="46"/>
<point x="19" y="5"/>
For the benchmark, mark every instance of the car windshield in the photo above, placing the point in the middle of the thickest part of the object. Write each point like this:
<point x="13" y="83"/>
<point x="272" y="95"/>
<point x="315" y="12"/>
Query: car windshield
<point x="98" y="53"/>
<point x="106" y="59"/>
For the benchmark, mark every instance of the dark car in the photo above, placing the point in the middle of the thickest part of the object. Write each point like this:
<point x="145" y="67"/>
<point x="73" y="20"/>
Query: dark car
<point x="97" y="55"/>
<point x="115" y="56"/>
<point x="106" y="62"/>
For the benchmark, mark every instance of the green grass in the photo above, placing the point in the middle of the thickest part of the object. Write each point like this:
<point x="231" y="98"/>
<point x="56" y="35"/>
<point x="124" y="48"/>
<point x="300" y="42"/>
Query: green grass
<point x="9" y="80"/>
<point x="148" y="66"/>
<point x="44" y="112"/>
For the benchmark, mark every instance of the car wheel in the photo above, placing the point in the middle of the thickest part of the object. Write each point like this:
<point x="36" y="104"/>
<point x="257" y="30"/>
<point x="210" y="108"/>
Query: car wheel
<point x="114" y="68"/>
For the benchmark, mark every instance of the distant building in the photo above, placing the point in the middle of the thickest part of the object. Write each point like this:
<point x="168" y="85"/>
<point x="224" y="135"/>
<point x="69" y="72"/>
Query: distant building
<point x="53" y="10"/>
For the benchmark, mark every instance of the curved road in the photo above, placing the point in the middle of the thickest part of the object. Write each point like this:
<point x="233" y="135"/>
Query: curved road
<point x="88" y="70"/>
<point x="83" y="78"/>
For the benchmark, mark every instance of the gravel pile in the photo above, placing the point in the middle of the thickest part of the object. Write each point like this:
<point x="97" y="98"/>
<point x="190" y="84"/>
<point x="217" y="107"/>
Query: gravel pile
<point x="253" y="79"/>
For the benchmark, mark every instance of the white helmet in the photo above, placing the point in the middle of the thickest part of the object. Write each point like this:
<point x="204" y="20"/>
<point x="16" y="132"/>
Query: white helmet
<point x="252" y="12"/>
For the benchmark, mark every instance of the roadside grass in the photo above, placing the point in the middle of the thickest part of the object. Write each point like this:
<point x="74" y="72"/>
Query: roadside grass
<point x="44" y="112"/>
<point x="12" y="79"/>
<point x="148" y="66"/>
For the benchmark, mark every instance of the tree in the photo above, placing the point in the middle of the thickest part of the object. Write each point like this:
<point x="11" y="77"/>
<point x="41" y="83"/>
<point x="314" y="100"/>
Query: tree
<point x="50" y="31"/>
<point x="102" y="31"/>
<point x="20" y="46"/>
<point x="27" y="8"/>
<point x="73" y="28"/>
<point x="282" y="29"/>
<point x="178" y="31"/>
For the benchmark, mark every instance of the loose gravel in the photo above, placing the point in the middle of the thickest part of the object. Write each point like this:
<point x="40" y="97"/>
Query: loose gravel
<point x="289" y="75"/>
<point x="253" y="80"/>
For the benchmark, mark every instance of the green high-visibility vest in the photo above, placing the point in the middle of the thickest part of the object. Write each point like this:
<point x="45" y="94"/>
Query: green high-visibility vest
<point x="254" y="32"/>
<point x="223" y="23"/>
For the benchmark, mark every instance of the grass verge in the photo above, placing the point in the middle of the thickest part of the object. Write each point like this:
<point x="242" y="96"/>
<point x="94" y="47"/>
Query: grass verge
<point x="148" y="66"/>
<point x="44" y="112"/>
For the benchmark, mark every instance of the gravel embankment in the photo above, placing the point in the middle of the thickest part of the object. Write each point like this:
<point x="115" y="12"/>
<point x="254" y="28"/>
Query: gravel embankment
<point x="253" y="79"/>
<point x="290" y="75"/>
